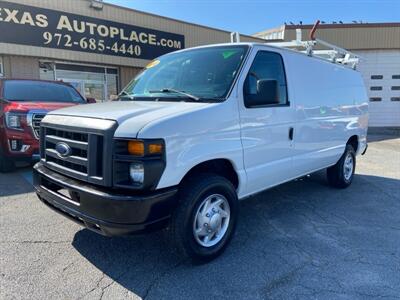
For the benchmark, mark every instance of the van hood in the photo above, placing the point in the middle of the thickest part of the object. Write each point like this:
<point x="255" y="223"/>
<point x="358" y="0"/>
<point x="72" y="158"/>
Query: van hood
<point x="132" y="115"/>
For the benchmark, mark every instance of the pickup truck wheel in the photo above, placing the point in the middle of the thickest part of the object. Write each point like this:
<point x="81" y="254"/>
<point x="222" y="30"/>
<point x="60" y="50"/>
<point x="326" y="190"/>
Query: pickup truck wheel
<point x="6" y="164"/>
<point x="205" y="218"/>
<point x="341" y="175"/>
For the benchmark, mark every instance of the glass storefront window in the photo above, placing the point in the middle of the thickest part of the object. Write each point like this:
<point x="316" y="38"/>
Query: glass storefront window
<point x="94" y="90"/>
<point x="1" y="67"/>
<point x="46" y="71"/>
<point x="112" y="84"/>
<point x="91" y="81"/>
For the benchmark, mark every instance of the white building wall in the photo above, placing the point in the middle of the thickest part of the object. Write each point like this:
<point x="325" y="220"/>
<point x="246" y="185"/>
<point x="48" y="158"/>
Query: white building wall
<point x="384" y="105"/>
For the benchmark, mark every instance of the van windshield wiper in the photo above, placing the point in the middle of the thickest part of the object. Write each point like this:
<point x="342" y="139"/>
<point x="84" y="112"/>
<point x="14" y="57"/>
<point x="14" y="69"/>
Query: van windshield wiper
<point x="169" y="90"/>
<point x="125" y="95"/>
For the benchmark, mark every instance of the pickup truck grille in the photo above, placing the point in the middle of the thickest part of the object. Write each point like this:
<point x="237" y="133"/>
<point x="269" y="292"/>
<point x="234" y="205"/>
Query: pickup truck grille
<point x="89" y="151"/>
<point x="36" y="119"/>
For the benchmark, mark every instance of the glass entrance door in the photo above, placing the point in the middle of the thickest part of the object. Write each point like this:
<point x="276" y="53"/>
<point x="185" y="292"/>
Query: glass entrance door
<point x="95" y="89"/>
<point x="88" y="88"/>
<point x="100" y="83"/>
<point x="77" y="84"/>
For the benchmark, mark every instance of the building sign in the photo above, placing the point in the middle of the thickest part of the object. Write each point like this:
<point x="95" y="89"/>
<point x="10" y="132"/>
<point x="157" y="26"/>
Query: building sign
<point x="33" y="26"/>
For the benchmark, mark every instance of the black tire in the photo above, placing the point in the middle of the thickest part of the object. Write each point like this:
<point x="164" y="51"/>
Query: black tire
<point x="6" y="163"/>
<point x="336" y="174"/>
<point x="192" y="195"/>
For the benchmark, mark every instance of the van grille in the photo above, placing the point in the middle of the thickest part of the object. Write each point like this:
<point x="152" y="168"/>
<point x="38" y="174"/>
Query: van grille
<point x="36" y="119"/>
<point x="78" y="147"/>
<point x="88" y="154"/>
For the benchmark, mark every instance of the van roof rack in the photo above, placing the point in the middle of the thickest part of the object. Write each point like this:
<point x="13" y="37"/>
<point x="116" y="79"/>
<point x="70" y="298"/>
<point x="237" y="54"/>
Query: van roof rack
<point x="333" y="54"/>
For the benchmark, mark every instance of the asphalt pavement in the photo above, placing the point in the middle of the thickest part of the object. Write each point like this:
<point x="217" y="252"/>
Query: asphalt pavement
<point x="301" y="240"/>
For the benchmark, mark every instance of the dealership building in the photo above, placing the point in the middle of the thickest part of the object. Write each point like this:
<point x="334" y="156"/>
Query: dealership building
<point x="99" y="47"/>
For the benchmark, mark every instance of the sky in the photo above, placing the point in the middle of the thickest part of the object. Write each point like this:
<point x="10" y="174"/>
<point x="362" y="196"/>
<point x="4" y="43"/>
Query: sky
<point x="251" y="16"/>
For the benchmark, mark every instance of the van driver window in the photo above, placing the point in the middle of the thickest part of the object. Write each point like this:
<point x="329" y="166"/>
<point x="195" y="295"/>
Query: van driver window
<point x="266" y="66"/>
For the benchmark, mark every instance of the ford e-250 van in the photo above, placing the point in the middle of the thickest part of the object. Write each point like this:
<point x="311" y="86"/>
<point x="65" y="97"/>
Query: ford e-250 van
<point x="195" y="132"/>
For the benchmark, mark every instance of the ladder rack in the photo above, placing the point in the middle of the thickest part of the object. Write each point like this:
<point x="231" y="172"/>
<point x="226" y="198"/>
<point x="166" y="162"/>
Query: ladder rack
<point x="333" y="53"/>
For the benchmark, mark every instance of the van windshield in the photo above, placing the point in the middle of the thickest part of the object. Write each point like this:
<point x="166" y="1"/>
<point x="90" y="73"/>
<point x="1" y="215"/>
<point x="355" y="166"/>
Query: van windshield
<point x="204" y="74"/>
<point x="40" y="91"/>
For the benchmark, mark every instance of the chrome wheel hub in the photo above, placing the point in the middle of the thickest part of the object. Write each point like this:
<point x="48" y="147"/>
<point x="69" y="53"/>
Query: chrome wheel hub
<point x="348" y="167"/>
<point x="211" y="220"/>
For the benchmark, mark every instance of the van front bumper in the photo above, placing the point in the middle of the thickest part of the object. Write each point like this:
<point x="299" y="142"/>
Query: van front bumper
<point x="105" y="211"/>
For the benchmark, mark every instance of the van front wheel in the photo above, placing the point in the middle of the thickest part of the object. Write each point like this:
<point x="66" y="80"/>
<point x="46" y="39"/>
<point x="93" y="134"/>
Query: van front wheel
<point x="205" y="218"/>
<point x="341" y="175"/>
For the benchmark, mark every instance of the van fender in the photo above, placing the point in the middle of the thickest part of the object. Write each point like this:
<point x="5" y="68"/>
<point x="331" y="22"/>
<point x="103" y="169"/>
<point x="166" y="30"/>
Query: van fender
<point x="185" y="154"/>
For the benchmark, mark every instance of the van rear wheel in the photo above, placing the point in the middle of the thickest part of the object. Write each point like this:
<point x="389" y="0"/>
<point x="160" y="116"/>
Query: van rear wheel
<point x="206" y="216"/>
<point x="341" y="175"/>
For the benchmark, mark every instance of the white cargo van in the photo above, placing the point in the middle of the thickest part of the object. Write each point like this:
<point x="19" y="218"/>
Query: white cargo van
<point x="195" y="132"/>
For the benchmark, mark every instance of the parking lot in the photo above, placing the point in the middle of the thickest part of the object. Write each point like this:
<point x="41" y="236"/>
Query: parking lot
<point x="300" y="240"/>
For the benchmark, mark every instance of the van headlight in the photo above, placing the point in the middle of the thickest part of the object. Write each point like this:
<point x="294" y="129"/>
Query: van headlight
<point x="136" y="171"/>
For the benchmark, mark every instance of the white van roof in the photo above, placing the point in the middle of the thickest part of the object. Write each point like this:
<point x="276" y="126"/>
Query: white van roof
<point x="327" y="55"/>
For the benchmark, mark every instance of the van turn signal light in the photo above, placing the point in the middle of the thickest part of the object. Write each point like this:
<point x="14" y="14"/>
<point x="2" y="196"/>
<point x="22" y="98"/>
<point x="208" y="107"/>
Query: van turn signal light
<point x="155" y="149"/>
<point x="136" y="148"/>
<point x="139" y="148"/>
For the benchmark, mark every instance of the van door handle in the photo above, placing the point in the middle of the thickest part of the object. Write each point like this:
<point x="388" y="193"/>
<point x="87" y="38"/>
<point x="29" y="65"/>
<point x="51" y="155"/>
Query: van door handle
<point x="291" y="130"/>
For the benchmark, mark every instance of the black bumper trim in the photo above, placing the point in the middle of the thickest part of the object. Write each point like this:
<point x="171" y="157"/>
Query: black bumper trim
<point x="105" y="211"/>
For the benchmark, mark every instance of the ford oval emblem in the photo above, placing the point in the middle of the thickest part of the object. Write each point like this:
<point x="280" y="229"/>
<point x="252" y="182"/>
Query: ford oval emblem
<point x="63" y="149"/>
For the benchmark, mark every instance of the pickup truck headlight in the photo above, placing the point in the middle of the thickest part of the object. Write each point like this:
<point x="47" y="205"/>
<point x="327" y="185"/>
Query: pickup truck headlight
<point x="13" y="120"/>
<point x="138" y="164"/>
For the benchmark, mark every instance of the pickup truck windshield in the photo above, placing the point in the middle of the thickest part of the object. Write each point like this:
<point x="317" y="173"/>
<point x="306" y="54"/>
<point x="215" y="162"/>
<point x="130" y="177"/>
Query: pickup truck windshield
<point x="204" y="74"/>
<point x="40" y="91"/>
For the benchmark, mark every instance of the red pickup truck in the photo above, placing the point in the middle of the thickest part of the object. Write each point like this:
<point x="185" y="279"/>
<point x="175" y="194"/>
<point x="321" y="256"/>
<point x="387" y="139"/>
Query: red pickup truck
<point x="23" y="104"/>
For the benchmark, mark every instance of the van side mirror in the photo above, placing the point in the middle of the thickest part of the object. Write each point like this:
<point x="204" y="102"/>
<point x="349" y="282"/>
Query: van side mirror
<point x="267" y="91"/>
<point x="91" y="100"/>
